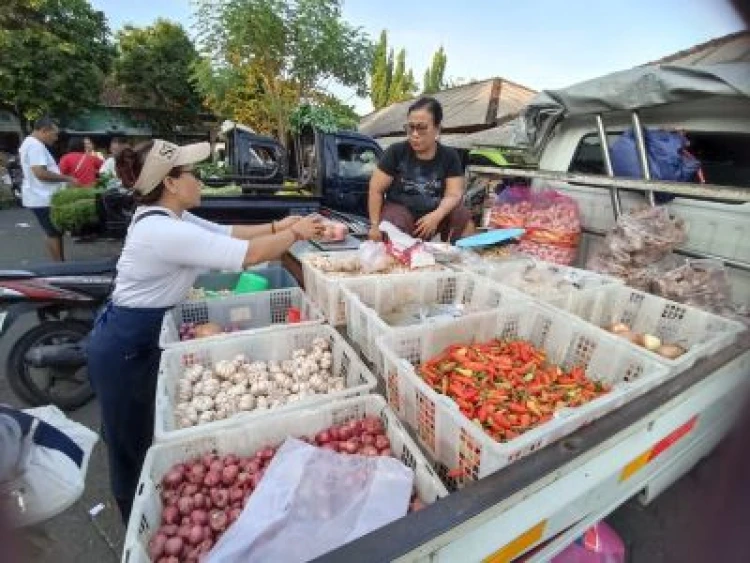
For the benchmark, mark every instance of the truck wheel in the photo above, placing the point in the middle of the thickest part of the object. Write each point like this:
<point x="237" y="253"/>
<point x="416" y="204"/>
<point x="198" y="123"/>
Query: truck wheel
<point x="66" y="388"/>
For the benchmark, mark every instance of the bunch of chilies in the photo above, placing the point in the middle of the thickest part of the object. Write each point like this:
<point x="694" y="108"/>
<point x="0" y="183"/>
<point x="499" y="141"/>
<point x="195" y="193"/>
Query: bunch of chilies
<point x="507" y="387"/>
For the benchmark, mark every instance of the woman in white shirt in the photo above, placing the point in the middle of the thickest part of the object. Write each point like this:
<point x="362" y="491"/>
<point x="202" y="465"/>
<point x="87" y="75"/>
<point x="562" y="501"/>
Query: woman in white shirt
<point x="165" y="250"/>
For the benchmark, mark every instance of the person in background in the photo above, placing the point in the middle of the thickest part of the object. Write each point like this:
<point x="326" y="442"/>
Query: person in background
<point x="421" y="180"/>
<point x="41" y="179"/>
<point x="90" y="148"/>
<point x="165" y="250"/>
<point x="116" y="146"/>
<point x="80" y="164"/>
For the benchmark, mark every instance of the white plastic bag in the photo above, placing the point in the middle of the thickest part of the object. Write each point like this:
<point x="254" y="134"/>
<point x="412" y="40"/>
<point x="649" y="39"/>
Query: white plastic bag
<point x="373" y="257"/>
<point x="312" y="500"/>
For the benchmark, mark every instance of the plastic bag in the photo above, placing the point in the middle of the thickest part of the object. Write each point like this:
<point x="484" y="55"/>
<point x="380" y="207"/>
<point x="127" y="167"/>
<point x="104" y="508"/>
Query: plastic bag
<point x="700" y="283"/>
<point x="599" y="544"/>
<point x="373" y="257"/>
<point x="312" y="500"/>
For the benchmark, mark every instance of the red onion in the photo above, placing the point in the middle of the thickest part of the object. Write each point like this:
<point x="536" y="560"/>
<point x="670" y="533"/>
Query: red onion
<point x="185" y="505"/>
<point x="345" y="433"/>
<point x="372" y="425"/>
<point x="204" y="547"/>
<point x="234" y="514"/>
<point x="196" y="535"/>
<point x="369" y="451"/>
<point x="382" y="442"/>
<point x="216" y="465"/>
<point x="199" y="500"/>
<point x="208" y="458"/>
<point x="330" y="446"/>
<point x="218" y="521"/>
<point x="243" y="477"/>
<point x="169" y="530"/>
<point x="252" y="466"/>
<point x="184" y="531"/>
<point x="229" y="474"/>
<point x="368" y="439"/>
<point x="236" y="494"/>
<point x="333" y="432"/>
<point x="199" y="517"/>
<point x="231" y="459"/>
<point x="220" y="498"/>
<point x="189" y="490"/>
<point x="170" y="515"/>
<point x="185" y="521"/>
<point x="323" y="437"/>
<point x="267" y="453"/>
<point x="197" y="474"/>
<point x="386" y="452"/>
<point x="170" y="559"/>
<point x="212" y="479"/>
<point x="169" y="498"/>
<point x="156" y="546"/>
<point x="349" y="447"/>
<point x="173" y="478"/>
<point x="208" y="533"/>
<point x="173" y="546"/>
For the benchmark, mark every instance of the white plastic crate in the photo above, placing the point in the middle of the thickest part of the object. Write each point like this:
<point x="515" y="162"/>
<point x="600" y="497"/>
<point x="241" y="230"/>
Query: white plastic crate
<point x="270" y="345"/>
<point x="325" y="288"/>
<point x="247" y="437"/>
<point x="699" y="332"/>
<point x="456" y="443"/>
<point x="562" y="285"/>
<point x="369" y="300"/>
<point x="247" y="313"/>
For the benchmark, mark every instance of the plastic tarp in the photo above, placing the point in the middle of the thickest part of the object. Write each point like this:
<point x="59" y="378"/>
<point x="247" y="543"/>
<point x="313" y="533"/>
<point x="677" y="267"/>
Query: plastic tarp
<point x="632" y="89"/>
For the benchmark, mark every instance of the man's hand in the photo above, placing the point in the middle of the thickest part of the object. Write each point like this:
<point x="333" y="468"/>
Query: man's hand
<point x="287" y="222"/>
<point x="375" y="235"/>
<point x="428" y="225"/>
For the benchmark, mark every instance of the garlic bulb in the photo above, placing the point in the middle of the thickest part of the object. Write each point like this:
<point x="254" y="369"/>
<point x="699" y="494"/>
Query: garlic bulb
<point x="320" y="342"/>
<point x="236" y="391"/>
<point x="202" y="403"/>
<point x="224" y="369"/>
<point x="194" y="373"/>
<point x="247" y="403"/>
<point x="261" y="403"/>
<point x="211" y="387"/>
<point x="299" y="353"/>
<point x="288" y="366"/>
<point x="207" y="416"/>
<point x="239" y="360"/>
<point x="221" y="413"/>
<point x="273" y="365"/>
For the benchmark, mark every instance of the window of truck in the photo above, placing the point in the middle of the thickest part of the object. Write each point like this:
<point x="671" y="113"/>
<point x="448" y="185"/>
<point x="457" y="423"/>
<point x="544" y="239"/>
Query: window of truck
<point x="355" y="160"/>
<point x="724" y="157"/>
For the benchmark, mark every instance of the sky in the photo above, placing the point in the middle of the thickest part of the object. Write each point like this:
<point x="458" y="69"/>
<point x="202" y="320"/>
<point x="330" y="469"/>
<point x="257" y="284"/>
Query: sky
<point x="541" y="44"/>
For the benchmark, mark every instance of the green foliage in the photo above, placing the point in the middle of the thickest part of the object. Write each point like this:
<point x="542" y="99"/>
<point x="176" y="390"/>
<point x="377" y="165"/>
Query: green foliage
<point x="154" y="66"/>
<point x="262" y="58"/>
<point x="210" y="170"/>
<point x="381" y="73"/>
<point x="328" y="115"/>
<point x="221" y="191"/>
<point x="73" y="209"/>
<point x="434" y="76"/>
<point x="54" y="55"/>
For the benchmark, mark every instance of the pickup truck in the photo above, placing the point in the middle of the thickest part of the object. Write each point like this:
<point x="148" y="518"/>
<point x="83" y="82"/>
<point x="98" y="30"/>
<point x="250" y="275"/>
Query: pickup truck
<point x="315" y="171"/>
<point x="536" y="506"/>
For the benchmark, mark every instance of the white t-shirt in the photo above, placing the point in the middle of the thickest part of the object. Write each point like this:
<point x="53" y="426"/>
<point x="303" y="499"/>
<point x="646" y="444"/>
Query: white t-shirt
<point x="163" y="256"/>
<point x="34" y="192"/>
<point x="108" y="167"/>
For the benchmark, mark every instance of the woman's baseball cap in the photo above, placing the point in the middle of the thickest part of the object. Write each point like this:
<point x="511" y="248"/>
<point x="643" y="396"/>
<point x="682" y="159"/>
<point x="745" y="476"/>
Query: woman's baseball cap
<point x="164" y="156"/>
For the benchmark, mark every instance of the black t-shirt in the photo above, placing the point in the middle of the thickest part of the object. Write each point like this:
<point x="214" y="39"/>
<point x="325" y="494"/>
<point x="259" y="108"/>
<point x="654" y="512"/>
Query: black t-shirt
<point x="419" y="185"/>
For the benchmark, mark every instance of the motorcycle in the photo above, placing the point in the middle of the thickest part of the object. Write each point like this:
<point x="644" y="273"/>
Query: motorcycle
<point x="47" y="362"/>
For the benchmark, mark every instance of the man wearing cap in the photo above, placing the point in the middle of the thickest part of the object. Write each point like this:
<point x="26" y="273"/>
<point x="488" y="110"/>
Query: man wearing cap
<point x="165" y="250"/>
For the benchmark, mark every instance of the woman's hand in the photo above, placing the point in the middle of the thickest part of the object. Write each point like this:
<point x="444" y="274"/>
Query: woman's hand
<point x="428" y="225"/>
<point x="307" y="227"/>
<point x="374" y="234"/>
<point x="287" y="222"/>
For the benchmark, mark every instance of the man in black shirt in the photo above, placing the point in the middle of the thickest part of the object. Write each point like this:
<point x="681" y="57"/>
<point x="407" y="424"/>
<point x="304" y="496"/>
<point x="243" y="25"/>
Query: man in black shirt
<point x="421" y="181"/>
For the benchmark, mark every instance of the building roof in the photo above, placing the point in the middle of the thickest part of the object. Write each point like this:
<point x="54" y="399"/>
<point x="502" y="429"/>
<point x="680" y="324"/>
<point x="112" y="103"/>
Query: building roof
<point x="734" y="47"/>
<point x="465" y="108"/>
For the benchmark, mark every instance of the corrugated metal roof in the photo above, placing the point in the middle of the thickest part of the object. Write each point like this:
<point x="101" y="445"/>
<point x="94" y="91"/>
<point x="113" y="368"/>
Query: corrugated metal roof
<point x="471" y="106"/>
<point x="734" y="47"/>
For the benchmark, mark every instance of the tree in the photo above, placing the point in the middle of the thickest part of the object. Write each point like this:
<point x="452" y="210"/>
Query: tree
<point x="154" y="67"/>
<point x="403" y="85"/>
<point x="54" y="55"/>
<point x="435" y="73"/>
<point x="263" y="58"/>
<point x="380" y="81"/>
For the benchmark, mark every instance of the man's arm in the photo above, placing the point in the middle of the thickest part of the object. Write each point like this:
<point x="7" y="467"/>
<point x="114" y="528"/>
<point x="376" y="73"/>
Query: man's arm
<point x="44" y="175"/>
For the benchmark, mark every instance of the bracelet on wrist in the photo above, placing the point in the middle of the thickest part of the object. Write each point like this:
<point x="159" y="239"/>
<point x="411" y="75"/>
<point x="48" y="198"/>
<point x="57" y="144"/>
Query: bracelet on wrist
<point x="273" y="227"/>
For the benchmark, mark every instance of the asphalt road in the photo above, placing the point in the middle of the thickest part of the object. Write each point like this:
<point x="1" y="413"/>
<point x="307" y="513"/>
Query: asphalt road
<point x="652" y="534"/>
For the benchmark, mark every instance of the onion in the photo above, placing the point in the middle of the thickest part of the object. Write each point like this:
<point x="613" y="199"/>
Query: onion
<point x="196" y="535"/>
<point x="330" y="446"/>
<point x="349" y="446"/>
<point x="236" y="494"/>
<point x="231" y="459"/>
<point x="156" y="546"/>
<point x="184" y="531"/>
<point x="173" y="478"/>
<point x="185" y="521"/>
<point x="199" y="500"/>
<point x="204" y="547"/>
<point x="386" y="452"/>
<point x="170" y="559"/>
<point x="229" y="474"/>
<point x="651" y="342"/>
<point x="216" y="465"/>
<point x="208" y="458"/>
<point x="197" y="474"/>
<point x="212" y="479"/>
<point x="255" y="479"/>
<point x="372" y="425"/>
<point x="670" y="351"/>
<point x="369" y="451"/>
<point x="234" y="514"/>
<point x="619" y="328"/>
<point x="252" y="466"/>
<point x="268" y="453"/>
<point x="323" y="437"/>
<point x="218" y="521"/>
<point x="368" y="439"/>
<point x="169" y="530"/>
<point x="345" y="433"/>
<point x="199" y="517"/>
<point x="334" y="433"/>
<point x="189" y="490"/>
<point x="208" y="533"/>
<point x="173" y="546"/>
<point x="170" y="515"/>
<point x="169" y="498"/>
<point x="220" y="498"/>
<point x="185" y="505"/>
<point x="382" y="442"/>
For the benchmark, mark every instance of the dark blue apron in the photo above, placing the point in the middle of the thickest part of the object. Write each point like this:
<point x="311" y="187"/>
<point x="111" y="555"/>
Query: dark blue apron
<point x="123" y="362"/>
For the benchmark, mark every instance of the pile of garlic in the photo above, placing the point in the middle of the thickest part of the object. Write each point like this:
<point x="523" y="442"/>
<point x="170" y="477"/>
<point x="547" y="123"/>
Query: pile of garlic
<point x="205" y="394"/>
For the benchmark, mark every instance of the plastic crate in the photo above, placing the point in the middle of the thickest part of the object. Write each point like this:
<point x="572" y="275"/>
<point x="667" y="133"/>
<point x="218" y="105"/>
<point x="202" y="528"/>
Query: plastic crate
<point x="325" y="289"/>
<point x="701" y="333"/>
<point x="252" y="312"/>
<point x="368" y="300"/>
<point x="248" y="437"/>
<point x="278" y="278"/>
<point x="571" y="281"/>
<point x="457" y="443"/>
<point x="270" y="345"/>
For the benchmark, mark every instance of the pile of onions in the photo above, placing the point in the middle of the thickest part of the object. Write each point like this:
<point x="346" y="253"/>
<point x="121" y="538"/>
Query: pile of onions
<point x="202" y="497"/>
<point x="648" y="341"/>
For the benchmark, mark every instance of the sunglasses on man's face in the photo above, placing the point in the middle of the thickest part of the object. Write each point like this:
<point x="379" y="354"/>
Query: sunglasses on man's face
<point x="419" y="128"/>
